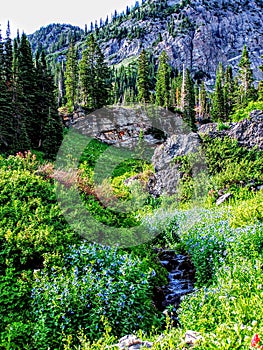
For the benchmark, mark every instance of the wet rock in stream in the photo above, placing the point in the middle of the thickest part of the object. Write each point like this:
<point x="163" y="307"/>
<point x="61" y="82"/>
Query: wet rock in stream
<point x="181" y="275"/>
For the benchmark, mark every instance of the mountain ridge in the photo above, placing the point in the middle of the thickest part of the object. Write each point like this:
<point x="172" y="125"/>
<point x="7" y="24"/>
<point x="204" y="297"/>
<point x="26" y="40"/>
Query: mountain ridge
<point x="198" y="34"/>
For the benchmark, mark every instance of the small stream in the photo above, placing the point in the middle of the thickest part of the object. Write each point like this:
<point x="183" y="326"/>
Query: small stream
<point x="181" y="275"/>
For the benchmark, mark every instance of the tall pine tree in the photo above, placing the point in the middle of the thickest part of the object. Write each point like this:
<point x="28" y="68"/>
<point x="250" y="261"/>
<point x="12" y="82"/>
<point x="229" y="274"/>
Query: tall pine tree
<point x="188" y="101"/>
<point x="143" y="78"/>
<point x="163" y="82"/>
<point x="49" y="122"/>
<point x="245" y="77"/>
<point x="203" y="103"/>
<point x="26" y="90"/>
<point x="218" y="103"/>
<point x="71" y="77"/>
<point x="6" y="116"/>
<point x="94" y="76"/>
<point x="228" y="91"/>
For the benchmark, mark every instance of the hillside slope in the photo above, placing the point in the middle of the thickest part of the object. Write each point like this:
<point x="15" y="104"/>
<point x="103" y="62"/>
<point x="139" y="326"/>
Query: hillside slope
<point x="197" y="33"/>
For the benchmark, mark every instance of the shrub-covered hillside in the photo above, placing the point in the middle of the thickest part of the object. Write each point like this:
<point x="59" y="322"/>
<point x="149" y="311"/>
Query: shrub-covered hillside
<point x="62" y="291"/>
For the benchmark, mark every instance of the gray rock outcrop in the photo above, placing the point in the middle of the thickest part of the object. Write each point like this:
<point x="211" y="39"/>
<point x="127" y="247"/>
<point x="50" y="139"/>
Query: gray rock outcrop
<point x="121" y="126"/>
<point x="131" y="342"/>
<point x="248" y="132"/>
<point x="168" y="173"/>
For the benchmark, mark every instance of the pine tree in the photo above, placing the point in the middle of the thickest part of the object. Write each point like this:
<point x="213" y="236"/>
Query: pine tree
<point x="175" y="93"/>
<point x="102" y="80"/>
<point x="203" y="102"/>
<point x="228" y="91"/>
<point x="218" y="105"/>
<point x="163" y="82"/>
<point x="46" y="108"/>
<point x="26" y="90"/>
<point x="189" y="100"/>
<point x="71" y="77"/>
<point x="245" y="77"/>
<point x="52" y="136"/>
<point x="8" y="58"/>
<point x="94" y="76"/>
<point x="143" y="79"/>
<point x="6" y="118"/>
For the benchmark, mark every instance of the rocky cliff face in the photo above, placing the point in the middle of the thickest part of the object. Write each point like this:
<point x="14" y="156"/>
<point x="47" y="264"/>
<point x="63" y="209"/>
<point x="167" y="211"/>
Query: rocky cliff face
<point x="197" y="33"/>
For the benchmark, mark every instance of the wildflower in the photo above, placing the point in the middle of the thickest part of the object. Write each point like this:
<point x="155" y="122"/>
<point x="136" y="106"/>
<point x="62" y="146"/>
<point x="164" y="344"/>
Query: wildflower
<point x="255" y="340"/>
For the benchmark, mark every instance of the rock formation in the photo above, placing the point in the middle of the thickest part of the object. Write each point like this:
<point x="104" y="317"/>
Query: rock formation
<point x="248" y="132"/>
<point x="204" y="34"/>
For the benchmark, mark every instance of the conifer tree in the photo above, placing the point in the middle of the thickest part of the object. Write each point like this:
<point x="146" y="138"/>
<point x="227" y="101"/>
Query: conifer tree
<point x="143" y="79"/>
<point x="189" y="100"/>
<point x="163" y="82"/>
<point x="52" y="136"/>
<point x="71" y="77"/>
<point x="8" y="58"/>
<point x="175" y="93"/>
<point x="6" y="118"/>
<point x="245" y="77"/>
<point x="26" y="90"/>
<point x="203" y="106"/>
<point x="228" y="90"/>
<point x="49" y="123"/>
<point x="15" y="69"/>
<point x="102" y="79"/>
<point x="94" y="76"/>
<point x="218" y="105"/>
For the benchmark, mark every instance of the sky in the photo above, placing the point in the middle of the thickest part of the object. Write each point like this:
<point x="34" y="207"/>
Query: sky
<point x="30" y="15"/>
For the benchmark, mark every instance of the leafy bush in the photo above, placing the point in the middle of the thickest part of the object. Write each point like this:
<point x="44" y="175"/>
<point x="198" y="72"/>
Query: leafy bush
<point x="232" y="166"/>
<point x="15" y="324"/>
<point x="31" y="222"/>
<point x="94" y="281"/>
<point x="248" y="212"/>
<point x="244" y="112"/>
<point x="229" y="312"/>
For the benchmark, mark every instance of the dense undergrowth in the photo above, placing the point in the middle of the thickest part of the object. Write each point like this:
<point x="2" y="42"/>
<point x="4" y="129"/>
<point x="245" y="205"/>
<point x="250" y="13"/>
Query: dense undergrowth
<point x="61" y="291"/>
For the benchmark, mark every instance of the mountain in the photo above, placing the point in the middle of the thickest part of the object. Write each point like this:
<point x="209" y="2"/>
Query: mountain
<point x="196" y="33"/>
<point x="55" y="38"/>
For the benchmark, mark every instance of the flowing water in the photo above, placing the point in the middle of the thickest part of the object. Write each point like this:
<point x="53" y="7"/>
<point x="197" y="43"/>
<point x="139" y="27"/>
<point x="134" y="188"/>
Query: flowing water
<point x="181" y="274"/>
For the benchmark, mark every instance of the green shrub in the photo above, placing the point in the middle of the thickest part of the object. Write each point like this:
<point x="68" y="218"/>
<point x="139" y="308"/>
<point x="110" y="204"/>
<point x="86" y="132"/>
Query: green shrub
<point x="230" y="312"/>
<point x="248" y="212"/>
<point x="232" y="166"/>
<point x="94" y="281"/>
<point x="31" y="222"/>
<point x="15" y="324"/>
<point x="245" y="112"/>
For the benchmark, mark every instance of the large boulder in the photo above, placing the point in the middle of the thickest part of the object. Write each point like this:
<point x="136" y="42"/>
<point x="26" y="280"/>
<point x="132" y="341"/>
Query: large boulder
<point x="167" y="173"/>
